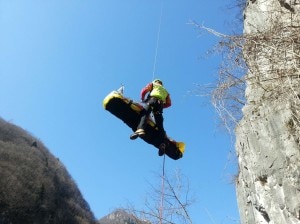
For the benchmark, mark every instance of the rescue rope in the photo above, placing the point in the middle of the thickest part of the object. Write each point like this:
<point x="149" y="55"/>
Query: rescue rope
<point x="164" y="157"/>
<point x="157" y="41"/>
<point x="162" y="191"/>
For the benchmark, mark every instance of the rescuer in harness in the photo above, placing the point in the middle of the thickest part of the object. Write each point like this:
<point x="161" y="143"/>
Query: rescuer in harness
<point x="158" y="99"/>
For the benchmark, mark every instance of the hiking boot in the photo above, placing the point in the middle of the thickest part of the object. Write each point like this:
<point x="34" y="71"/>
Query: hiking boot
<point x="137" y="133"/>
<point x="161" y="149"/>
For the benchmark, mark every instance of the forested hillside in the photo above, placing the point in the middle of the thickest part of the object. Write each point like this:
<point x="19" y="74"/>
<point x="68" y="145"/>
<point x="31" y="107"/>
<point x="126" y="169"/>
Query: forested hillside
<point x="35" y="187"/>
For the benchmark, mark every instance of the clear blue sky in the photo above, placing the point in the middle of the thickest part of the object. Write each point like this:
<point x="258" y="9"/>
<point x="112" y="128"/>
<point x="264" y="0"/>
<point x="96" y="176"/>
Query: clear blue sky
<point x="60" y="58"/>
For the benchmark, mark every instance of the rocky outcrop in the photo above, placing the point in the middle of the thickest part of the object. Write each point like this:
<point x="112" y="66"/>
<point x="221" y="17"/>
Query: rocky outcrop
<point x="35" y="187"/>
<point x="268" y="136"/>
<point x="120" y="216"/>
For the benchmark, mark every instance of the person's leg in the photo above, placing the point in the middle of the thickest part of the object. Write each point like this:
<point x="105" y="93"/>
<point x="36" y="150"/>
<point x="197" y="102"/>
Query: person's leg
<point x="159" y="121"/>
<point x="145" y="113"/>
<point x="141" y="127"/>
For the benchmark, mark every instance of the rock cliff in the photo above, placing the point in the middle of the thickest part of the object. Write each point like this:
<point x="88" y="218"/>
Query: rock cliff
<point x="268" y="136"/>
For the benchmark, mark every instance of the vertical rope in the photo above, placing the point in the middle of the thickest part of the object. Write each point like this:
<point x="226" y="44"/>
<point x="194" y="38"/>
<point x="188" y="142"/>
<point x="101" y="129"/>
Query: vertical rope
<point x="157" y="41"/>
<point x="153" y="74"/>
<point x="162" y="192"/>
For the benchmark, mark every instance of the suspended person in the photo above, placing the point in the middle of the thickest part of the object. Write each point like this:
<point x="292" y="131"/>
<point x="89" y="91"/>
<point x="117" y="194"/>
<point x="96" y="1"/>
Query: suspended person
<point x="157" y="99"/>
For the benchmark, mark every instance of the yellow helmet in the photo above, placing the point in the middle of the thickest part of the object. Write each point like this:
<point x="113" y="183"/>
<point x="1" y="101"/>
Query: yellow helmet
<point x="158" y="80"/>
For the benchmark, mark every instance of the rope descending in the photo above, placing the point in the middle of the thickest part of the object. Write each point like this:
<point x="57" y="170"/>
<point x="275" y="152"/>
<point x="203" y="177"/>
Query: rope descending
<point x="162" y="192"/>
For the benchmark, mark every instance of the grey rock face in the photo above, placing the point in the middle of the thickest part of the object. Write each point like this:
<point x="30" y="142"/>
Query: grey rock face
<point x="268" y="136"/>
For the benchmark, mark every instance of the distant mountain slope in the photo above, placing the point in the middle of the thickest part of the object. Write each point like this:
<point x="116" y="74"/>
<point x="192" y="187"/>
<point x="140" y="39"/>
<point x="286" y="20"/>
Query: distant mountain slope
<point x="35" y="187"/>
<point x="121" y="217"/>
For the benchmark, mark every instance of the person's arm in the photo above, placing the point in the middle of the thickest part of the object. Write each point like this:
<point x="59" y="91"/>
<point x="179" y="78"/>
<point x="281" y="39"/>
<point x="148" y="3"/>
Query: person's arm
<point x="168" y="102"/>
<point x="145" y="90"/>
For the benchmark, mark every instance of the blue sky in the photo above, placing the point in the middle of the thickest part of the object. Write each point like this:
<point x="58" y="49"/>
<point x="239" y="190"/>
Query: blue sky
<point x="60" y="58"/>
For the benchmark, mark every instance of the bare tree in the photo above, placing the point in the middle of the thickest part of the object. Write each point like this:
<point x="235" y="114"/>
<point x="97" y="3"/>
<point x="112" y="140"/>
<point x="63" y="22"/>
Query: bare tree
<point x="227" y="92"/>
<point x="167" y="203"/>
<point x="267" y="60"/>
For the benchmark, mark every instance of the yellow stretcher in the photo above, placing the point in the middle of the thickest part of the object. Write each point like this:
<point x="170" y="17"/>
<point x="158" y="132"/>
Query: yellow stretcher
<point x="129" y="112"/>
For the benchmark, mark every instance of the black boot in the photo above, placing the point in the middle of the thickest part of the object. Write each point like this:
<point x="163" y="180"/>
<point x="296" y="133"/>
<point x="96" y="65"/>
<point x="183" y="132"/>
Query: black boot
<point x="162" y="148"/>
